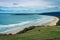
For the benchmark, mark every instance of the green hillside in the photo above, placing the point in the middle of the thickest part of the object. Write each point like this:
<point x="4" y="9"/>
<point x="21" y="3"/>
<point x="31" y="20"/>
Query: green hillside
<point x="38" y="33"/>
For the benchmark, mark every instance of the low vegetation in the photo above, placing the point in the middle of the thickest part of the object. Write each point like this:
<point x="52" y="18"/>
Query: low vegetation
<point x="37" y="33"/>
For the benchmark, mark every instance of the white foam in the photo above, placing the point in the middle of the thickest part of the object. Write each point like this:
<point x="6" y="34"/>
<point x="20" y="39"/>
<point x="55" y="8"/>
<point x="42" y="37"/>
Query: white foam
<point x="12" y="25"/>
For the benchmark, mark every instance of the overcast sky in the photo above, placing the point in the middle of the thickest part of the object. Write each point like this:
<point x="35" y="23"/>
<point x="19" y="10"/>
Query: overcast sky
<point x="42" y="4"/>
<point x="46" y="3"/>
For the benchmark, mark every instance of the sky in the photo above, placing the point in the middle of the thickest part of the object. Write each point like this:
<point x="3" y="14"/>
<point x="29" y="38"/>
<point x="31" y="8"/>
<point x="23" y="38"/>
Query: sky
<point x="42" y="4"/>
<point x="31" y="2"/>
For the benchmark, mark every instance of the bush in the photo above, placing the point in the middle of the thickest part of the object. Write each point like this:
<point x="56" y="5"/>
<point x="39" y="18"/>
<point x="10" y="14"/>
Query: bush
<point x="26" y="29"/>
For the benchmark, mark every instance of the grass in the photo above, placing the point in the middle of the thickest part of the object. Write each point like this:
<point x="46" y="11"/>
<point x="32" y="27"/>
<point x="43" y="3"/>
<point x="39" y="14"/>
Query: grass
<point x="38" y="33"/>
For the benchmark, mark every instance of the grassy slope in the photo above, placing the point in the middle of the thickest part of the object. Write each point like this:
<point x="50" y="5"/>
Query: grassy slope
<point x="39" y="33"/>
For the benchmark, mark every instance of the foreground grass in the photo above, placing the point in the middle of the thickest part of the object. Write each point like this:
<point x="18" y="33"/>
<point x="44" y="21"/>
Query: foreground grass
<point x="39" y="33"/>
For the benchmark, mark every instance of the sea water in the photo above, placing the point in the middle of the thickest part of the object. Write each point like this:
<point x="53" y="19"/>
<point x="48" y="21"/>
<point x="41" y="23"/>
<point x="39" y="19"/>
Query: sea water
<point x="10" y="22"/>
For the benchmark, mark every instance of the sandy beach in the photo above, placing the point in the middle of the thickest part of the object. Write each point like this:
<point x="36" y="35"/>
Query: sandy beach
<point x="53" y="22"/>
<point x="50" y="23"/>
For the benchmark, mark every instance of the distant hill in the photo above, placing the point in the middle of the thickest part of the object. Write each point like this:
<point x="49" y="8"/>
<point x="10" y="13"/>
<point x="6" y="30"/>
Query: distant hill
<point x="52" y="14"/>
<point x="26" y="14"/>
<point x="47" y="13"/>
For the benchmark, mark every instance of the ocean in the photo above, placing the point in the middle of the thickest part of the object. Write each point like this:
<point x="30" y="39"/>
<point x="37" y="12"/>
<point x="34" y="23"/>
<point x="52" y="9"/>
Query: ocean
<point x="10" y="22"/>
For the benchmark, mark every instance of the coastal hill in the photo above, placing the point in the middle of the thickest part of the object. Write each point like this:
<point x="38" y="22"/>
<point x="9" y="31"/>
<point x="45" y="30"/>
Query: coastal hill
<point x="57" y="14"/>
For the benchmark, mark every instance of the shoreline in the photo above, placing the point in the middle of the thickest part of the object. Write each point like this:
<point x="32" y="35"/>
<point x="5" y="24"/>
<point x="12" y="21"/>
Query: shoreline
<point x="53" y="22"/>
<point x="50" y="23"/>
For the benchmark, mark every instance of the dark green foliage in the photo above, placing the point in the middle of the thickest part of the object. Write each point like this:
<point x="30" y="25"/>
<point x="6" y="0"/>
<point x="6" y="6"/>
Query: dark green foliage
<point x="26" y="29"/>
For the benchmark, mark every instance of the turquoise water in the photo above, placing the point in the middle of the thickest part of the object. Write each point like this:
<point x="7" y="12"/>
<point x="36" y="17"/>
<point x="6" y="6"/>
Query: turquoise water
<point x="13" y="19"/>
<point x="10" y="22"/>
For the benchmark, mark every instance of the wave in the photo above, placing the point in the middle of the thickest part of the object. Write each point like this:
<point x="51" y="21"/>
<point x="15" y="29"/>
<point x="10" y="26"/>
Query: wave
<point x="11" y="25"/>
<point x="42" y="20"/>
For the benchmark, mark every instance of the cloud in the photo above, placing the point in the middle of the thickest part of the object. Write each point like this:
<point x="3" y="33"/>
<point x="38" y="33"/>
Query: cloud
<point x="43" y="4"/>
